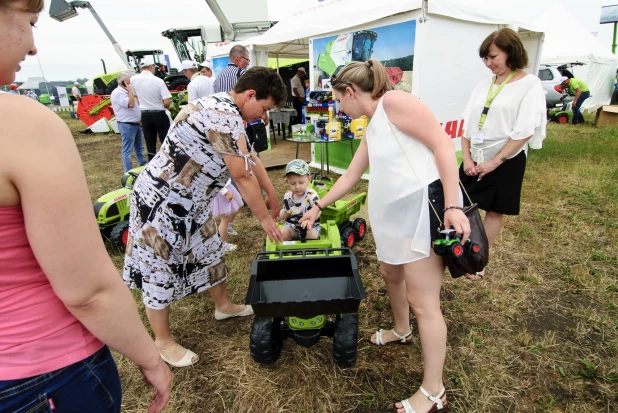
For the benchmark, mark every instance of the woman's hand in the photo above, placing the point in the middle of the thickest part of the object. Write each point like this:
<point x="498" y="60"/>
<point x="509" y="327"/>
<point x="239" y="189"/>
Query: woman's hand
<point x="310" y="217"/>
<point x="484" y="168"/>
<point x="469" y="167"/>
<point x="159" y="377"/>
<point x="229" y="196"/>
<point x="272" y="230"/>
<point x="455" y="218"/>
<point x="272" y="203"/>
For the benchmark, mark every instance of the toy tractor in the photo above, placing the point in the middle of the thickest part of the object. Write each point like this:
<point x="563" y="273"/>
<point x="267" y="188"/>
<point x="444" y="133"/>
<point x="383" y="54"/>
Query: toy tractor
<point x="450" y="245"/>
<point x="294" y="285"/>
<point x="560" y="114"/>
<point x="112" y="210"/>
<point x="341" y="211"/>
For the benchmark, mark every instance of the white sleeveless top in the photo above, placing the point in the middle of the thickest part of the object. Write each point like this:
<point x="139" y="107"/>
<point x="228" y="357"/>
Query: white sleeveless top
<point x="398" y="203"/>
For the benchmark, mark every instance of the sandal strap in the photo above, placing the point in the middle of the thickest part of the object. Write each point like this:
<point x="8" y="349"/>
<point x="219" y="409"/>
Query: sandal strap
<point x="379" y="341"/>
<point x="169" y="351"/>
<point x="407" y="407"/>
<point x="436" y="399"/>
<point x="400" y="337"/>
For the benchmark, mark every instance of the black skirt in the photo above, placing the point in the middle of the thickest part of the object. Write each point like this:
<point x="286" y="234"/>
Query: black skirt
<point x="500" y="190"/>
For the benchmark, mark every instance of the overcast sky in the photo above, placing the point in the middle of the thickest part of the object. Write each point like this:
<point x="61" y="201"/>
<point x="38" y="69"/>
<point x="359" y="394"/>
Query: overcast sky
<point x="73" y="48"/>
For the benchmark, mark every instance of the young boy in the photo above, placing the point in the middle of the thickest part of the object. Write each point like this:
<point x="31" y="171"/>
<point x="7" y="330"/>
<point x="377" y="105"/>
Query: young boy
<point x="298" y="200"/>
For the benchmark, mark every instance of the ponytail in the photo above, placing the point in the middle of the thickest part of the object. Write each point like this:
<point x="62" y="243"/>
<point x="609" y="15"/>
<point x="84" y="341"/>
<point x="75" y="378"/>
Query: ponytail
<point x="369" y="76"/>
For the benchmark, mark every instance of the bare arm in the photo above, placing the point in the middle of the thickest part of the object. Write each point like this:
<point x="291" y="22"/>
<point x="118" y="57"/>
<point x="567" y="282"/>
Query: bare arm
<point x="249" y="188"/>
<point x="351" y="176"/>
<point x="414" y="118"/>
<point x="131" y="96"/>
<point x="166" y="103"/>
<point x="78" y="268"/>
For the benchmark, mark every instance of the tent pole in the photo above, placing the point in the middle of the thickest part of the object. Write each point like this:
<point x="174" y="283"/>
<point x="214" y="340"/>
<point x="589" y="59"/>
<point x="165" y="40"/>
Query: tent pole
<point x="278" y="59"/>
<point x="614" y="43"/>
<point x="39" y="60"/>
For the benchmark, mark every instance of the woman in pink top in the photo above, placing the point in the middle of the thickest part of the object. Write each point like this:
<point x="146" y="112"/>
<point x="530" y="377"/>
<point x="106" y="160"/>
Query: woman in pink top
<point x="61" y="298"/>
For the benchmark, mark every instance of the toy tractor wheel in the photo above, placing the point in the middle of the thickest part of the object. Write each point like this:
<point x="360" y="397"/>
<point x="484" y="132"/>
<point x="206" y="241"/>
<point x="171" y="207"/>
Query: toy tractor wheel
<point x="348" y="238"/>
<point x="345" y="339"/>
<point x="562" y="119"/>
<point x="120" y="234"/>
<point x="456" y="250"/>
<point x="265" y="340"/>
<point x="360" y="228"/>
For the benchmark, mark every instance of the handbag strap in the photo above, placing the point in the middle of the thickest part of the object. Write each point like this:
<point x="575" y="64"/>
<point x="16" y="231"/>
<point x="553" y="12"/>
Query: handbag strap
<point x="414" y="171"/>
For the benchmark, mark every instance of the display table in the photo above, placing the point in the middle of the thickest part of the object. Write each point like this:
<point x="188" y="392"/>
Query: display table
<point x="281" y="116"/>
<point x="323" y="148"/>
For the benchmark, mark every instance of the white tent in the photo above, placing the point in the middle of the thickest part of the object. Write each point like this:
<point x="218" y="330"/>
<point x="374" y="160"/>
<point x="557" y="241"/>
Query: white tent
<point x="32" y="83"/>
<point x="567" y="41"/>
<point x="443" y="44"/>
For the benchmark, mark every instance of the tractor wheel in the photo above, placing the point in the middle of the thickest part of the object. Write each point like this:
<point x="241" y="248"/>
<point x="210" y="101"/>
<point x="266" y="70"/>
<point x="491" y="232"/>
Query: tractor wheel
<point x="345" y="339"/>
<point x="348" y="238"/>
<point x="111" y="86"/>
<point x="562" y="119"/>
<point x="265" y="340"/>
<point x="180" y="83"/>
<point x="360" y="228"/>
<point x="120" y="234"/>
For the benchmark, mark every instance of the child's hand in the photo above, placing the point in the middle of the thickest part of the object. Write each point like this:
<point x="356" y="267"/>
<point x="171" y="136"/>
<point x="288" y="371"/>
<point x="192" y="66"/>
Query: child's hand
<point x="304" y="224"/>
<point x="229" y="196"/>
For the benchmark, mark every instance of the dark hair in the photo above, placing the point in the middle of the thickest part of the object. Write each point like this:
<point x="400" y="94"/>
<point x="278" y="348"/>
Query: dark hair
<point x="510" y="43"/>
<point x="266" y="82"/>
<point x="369" y="76"/>
<point x="30" y="6"/>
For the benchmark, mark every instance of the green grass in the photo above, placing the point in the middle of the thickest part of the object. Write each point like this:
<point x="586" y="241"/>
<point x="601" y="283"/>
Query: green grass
<point x="538" y="334"/>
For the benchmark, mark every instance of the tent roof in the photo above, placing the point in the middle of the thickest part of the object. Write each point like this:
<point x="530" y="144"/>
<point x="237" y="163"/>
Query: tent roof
<point x="568" y="41"/>
<point x="291" y="34"/>
<point x="32" y="83"/>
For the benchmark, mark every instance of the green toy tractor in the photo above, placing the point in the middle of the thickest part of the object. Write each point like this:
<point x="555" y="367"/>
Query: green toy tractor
<point x="293" y="285"/>
<point x="112" y="210"/>
<point x="341" y="211"/>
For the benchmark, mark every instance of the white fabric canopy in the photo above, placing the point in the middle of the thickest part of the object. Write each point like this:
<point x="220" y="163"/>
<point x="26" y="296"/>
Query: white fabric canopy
<point x="32" y="83"/>
<point x="567" y="41"/>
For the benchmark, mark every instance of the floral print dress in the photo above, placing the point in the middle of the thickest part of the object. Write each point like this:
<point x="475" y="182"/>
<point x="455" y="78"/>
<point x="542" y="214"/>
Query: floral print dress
<point x="174" y="249"/>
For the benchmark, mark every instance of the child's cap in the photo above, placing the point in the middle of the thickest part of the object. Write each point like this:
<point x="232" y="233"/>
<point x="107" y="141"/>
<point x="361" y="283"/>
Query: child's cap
<point x="298" y="167"/>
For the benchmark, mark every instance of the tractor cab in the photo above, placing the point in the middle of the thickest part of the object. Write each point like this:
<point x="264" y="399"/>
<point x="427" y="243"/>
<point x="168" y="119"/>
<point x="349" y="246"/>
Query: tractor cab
<point x="135" y="57"/>
<point x="189" y="42"/>
<point x="362" y="45"/>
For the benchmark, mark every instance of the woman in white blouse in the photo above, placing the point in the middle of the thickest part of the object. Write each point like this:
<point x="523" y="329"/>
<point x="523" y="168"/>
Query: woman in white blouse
<point x="505" y="115"/>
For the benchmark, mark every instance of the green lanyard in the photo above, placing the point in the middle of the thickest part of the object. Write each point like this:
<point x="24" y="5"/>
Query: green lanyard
<point x="491" y="96"/>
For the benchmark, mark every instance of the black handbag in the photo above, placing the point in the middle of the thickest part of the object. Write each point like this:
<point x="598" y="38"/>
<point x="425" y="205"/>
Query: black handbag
<point x="257" y="136"/>
<point x="474" y="253"/>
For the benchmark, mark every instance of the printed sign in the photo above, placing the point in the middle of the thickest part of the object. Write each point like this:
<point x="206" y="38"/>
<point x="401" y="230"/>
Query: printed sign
<point x="609" y="14"/>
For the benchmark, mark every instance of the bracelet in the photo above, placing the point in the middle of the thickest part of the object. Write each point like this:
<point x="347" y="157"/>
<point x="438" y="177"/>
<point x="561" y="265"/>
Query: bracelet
<point x="501" y="157"/>
<point x="453" y="207"/>
<point x="319" y="207"/>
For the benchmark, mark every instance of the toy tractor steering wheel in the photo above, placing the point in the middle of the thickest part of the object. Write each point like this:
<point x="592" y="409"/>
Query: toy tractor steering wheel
<point x="294" y="221"/>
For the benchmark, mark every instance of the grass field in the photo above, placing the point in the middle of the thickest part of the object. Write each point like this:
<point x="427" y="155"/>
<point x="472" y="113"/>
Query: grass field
<point x="539" y="334"/>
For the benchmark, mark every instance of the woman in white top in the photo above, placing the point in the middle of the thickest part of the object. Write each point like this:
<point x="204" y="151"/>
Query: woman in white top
<point x="409" y="154"/>
<point x="495" y="146"/>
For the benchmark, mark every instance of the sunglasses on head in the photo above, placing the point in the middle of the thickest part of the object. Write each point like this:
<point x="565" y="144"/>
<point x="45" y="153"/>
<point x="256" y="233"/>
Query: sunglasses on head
<point x="334" y="81"/>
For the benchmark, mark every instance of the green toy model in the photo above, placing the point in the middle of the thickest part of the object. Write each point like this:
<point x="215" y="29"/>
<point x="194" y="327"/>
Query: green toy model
<point x="341" y="211"/>
<point x="112" y="210"/>
<point x="451" y="245"/>
<point x="301" y="281"/>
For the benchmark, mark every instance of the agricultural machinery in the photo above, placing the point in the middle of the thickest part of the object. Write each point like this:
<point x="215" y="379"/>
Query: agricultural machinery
<point x="351" y="47"/>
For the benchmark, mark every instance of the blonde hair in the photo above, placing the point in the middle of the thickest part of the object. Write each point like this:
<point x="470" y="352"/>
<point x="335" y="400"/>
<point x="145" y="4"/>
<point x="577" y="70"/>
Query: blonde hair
<point x="369" y="76"/>
<point x="30" y="6"/>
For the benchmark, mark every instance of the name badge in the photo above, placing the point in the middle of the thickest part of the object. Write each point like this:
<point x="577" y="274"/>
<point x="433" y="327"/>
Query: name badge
<point x="478" y="137"/>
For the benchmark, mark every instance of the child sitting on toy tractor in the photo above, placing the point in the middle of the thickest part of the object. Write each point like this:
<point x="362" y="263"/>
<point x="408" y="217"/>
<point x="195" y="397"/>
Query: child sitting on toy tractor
<point x="298" y="200"/>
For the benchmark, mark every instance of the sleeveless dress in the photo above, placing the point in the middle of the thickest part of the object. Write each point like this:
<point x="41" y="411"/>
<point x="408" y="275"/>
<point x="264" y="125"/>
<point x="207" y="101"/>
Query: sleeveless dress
<point x="401" y="169"/>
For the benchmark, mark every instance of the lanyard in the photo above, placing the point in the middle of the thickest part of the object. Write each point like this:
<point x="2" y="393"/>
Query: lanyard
<point x="491" y="96"/>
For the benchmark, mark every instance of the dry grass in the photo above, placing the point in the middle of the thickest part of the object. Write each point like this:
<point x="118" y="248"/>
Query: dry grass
<point x="539" y="334"/>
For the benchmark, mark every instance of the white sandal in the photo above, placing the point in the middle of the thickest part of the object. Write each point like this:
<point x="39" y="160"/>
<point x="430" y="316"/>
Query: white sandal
<point x="402" y="339"/>
<point x="438" y="405"/>
<point x="185" y="361"/>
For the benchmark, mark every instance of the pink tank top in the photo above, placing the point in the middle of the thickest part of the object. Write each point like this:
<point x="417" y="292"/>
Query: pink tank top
<point x="37" y="333"/>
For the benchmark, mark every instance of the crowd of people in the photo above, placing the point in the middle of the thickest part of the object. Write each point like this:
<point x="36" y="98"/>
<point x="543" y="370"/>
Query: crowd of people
<point x="63" y="303"/>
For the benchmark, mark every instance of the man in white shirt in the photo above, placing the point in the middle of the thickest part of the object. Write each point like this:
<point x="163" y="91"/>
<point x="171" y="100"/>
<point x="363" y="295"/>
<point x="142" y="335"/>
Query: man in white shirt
<point x="128" y="116"/>
<point x="206" y="68"/>
<point x="154" y="98"/>
<point x="199" y="86"/>
<point x="298" y="92"/>
<point x="77" y="95"/>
